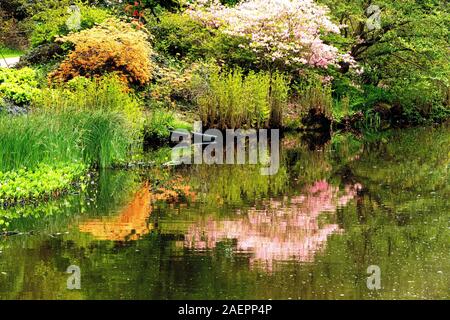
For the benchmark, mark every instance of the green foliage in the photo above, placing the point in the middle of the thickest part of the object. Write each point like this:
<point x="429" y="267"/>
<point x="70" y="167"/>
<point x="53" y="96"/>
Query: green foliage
<point x="171" y="84"/>
<point x="97" y="138"/>
<point x="230" y="2"/>
<point x="40" y="182"/>
<point x="51" y="23"/>
<point x="315" y="95"/>
<point x="407" y="57"/>
<point x="153" y="4"/>
<point x="28" y="8"/>
<point x="179" y="36"/>
<point x="106" y="94"/>
<point x="158" y="125"/>
<point x="230" y="99"/>
<point x="13" y="33"/>
<point x="9" y="52"/>
<point x="421" y="101"/>
<point x="18" y="86"/>
<point x="279" y="95"/>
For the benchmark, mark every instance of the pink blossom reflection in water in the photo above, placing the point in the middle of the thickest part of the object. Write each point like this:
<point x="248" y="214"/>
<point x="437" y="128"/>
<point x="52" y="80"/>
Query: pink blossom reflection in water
<point x="282" y="230"/>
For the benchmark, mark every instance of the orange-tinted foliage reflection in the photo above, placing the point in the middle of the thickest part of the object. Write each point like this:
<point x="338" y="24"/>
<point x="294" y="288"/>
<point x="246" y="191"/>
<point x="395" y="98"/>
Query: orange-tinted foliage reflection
<point x="132" y="222"/>
<point x="174" y="190"/>
<point x="129" y="225"/>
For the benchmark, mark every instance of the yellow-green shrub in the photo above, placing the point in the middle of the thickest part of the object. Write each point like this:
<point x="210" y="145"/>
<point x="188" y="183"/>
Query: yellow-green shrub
<point x="172" y="84"/>
<point x="18" y="86"/>
<point x="50" y="23"/>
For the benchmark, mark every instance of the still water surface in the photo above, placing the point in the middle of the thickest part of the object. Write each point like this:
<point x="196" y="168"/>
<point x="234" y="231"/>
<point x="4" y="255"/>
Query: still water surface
<point x="226" y="232"/>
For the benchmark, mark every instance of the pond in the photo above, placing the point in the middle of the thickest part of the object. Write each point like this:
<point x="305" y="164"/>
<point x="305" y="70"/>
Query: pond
<point x="227" y="232"/>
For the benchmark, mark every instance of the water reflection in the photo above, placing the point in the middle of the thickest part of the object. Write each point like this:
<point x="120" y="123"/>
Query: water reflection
<point x="130" y="224"/>
<point x="278" y="230"/>
<point x="225" y="232"/>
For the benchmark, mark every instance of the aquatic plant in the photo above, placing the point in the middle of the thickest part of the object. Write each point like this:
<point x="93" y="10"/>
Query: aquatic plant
<point x="230" y="99"/>
<point x="42" y="182"/>
<point x="107" y="94"/>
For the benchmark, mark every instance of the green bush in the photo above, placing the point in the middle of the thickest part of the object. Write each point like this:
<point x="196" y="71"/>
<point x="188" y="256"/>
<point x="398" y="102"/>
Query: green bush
<point x="179" y="36"/>
<point x="50" y="24"/>
<point x="230" y="2"/>
<point x="13" y="33"/>
<point x="421" y="101"/>
<point x="18" y="86"/>
<point x="158" y="126"/>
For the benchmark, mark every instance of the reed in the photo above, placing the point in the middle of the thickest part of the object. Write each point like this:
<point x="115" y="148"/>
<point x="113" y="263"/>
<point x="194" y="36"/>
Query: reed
<point x="96" y="138"/>
<point x="316" y="96"/>
<point x="230" y="99"/>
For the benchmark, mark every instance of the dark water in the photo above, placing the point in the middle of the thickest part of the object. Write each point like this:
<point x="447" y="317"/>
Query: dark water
<point x="207" y="232"/>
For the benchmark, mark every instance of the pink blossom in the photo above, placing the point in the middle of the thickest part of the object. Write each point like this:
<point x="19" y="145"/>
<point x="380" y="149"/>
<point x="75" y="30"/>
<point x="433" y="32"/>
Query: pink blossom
<point x="277" y="30"/>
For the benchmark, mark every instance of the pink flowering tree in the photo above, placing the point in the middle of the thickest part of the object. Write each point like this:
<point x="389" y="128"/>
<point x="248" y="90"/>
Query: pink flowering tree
<point x="281" y="33"/>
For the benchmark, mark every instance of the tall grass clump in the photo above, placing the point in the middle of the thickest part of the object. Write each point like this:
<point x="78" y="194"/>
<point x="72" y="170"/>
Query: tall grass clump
<point x="279" y="93"/>
<point x="96" y="138"/>
<point x="317" y="96"/>
<point x="230" y="99"/>
<point x="105" y="137"/>
<point x="108" y="94"/>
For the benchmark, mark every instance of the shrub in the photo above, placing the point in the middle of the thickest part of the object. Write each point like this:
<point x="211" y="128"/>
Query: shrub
<point x="18" y="86"/>
<point x="180" y="36"/>
<point x="158" y="125"/>
<point x="42" y="54"/>
<point x="51" y="23"/>
<point x="230" y="99"/>
<point x="230" y="2"/>
<point x="421" y="100"/>
<point x="113" y="46"/>
<point x="282" y="33"/>
<point x="171" y="84"/>
<point x="13" y="33"/>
